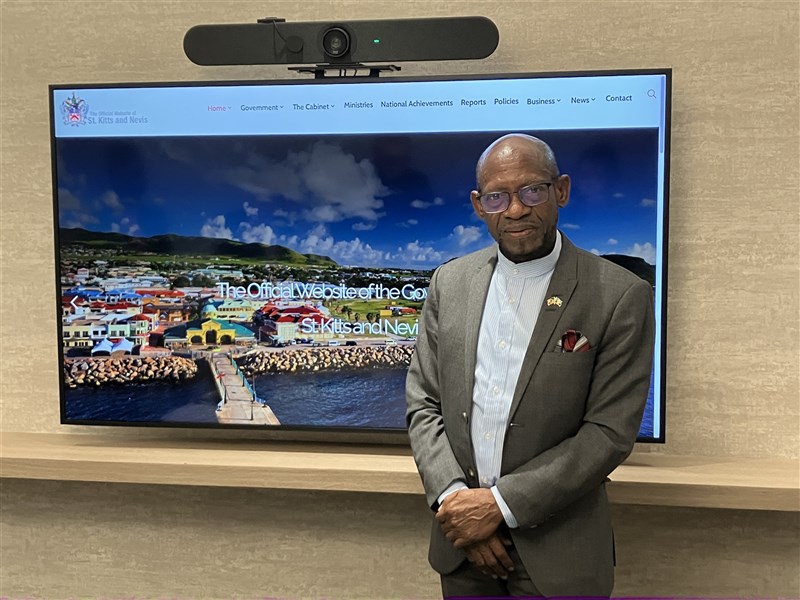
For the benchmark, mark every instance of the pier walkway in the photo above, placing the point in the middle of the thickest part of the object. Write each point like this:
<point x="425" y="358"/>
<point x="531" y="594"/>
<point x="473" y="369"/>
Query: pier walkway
<point x="238" y="403"/>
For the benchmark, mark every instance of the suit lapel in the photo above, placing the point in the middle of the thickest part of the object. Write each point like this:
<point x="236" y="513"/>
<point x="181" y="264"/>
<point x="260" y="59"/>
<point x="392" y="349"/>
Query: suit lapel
<point x="478" y="289"/>
<point x="562" y="284"/>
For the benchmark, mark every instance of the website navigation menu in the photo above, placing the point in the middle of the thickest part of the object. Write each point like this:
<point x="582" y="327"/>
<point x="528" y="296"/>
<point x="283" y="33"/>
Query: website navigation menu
<point x="526" y="103"/>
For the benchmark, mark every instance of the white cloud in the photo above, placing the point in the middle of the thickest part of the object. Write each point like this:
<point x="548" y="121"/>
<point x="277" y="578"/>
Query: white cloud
<point x="266" y="179"/>
<point x="317" y="241"/>
<point x="363" y="226"/>
<point x="125" y="222"/>
<point x="646" y="251"/>
<point x="345" y="252"/>
<point x="289" y="217"/>
<point x="215" y="228"/>
<point x="408" y="223"/>
<point x="336" y="180"/>
<point x="291" y="242"/>
<point x="250" y="211"/>
<point x="80" y="219"/>
<point x="260" y="234"/>
<point x="647" y="202"/>
<point x="67" y="200"/>
<point x="323" y="214"/>
<point x="71" y="211"/>
<point x="619" y="195"/>
<point x="572" y="226"/>
<point x="322" y="174"/>
<point x="465" y="235"/>
<point x="330" y="184"/>
<point x="112" y="201"/>
<point x="612" y="242"/>
<point x="358" y="252"/>
<point x="595" y="251"/>
<point x="423" y="204"/>
<point x="415" y="252"/>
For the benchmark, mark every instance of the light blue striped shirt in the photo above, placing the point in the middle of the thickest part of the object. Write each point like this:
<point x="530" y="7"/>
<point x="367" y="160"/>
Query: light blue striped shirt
<point x="515" y="297"/>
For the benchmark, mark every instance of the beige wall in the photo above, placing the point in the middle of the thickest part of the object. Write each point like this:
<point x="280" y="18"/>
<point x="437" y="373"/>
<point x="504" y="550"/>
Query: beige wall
<point x="734" y="278"/>
<point x="111" y="541"/>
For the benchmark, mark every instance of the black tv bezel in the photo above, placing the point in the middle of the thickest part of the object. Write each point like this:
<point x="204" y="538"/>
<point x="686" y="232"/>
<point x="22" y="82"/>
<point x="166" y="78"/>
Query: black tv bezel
<point x="337" y="434"/>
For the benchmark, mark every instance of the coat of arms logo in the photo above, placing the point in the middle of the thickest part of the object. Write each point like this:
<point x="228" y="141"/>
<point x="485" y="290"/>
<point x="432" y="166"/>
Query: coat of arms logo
<point x="74" y="110"/>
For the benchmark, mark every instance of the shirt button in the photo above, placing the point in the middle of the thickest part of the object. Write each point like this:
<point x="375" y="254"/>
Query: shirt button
<point x="503" y="344"/>
<point x="515" y="271"/>
<point x="488" y="436"/>
<point x="512" y="300"/>
<point x="485" y="480"/>
<point x="496" y="390"/>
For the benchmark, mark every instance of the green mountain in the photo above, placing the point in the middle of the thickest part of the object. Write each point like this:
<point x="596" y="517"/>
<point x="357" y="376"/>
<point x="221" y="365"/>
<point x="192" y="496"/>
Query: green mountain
<point x="180" y="245"/>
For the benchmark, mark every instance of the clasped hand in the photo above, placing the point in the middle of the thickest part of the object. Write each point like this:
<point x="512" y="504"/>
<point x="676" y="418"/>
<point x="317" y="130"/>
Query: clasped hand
<point x="469" y="519"/>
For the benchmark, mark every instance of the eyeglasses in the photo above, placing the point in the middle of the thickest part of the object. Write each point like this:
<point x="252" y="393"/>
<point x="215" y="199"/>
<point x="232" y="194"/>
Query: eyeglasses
<point x="530" y="195"/>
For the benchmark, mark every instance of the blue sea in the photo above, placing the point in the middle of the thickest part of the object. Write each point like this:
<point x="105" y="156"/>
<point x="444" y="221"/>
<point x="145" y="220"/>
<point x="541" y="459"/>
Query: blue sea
<point x="373" y="398"/>
<point x="191" y="401"/>
<point x="365" y="398"/>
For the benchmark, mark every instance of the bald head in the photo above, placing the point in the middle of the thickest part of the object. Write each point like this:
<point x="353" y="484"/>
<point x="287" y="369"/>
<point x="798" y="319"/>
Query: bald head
<point x="519" y="194"/>
<point x="520" y="145"/>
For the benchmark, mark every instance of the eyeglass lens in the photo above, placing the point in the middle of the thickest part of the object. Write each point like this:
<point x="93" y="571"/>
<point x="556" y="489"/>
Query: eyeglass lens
<point x="529" y="196"/>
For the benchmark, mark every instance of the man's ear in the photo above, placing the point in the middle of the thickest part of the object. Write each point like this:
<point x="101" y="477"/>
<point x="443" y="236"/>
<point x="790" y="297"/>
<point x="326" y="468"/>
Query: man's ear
<point x="476" y="203"/>
<point x="562" y="186"/>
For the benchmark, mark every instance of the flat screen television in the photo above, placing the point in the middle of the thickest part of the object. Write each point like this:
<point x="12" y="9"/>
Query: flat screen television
<point x="257" y="254"/>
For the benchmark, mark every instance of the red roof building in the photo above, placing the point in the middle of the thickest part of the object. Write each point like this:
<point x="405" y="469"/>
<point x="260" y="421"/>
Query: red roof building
<point x="158" y="293"/>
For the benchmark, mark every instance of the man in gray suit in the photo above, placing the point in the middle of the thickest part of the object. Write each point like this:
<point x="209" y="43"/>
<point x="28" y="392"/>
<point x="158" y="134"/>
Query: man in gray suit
<point x="527" y="388"/>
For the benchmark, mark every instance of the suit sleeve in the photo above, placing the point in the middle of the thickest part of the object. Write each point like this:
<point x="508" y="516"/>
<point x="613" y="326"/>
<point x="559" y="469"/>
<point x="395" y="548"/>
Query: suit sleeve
<point x="617" y="396"/>
<point x="437" y="465"/>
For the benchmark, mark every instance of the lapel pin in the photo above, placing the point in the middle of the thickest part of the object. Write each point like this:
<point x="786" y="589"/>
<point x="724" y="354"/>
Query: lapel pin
<point x="555" y="301"/>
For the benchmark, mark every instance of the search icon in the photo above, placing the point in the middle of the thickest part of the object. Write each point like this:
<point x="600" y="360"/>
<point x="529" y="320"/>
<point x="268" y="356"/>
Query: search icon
<point x="651" y="93"/>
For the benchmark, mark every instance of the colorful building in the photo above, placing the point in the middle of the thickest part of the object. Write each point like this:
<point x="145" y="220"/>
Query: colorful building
<point x="208" y="330"/>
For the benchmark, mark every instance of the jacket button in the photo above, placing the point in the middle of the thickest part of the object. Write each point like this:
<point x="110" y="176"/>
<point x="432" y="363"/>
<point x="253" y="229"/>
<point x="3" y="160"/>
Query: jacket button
<point x="471" y="473"/>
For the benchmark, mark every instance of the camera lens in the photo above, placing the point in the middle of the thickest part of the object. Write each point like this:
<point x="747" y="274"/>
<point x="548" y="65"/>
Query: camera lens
<point x="335" y="42"/>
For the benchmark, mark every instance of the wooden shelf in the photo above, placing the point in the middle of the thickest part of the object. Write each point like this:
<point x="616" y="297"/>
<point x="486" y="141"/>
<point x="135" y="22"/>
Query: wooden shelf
<point x="653" y="479"/>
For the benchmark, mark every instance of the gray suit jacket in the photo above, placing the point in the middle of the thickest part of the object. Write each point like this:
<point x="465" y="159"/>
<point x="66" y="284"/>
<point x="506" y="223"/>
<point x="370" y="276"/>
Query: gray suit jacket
<point x="574" y="416"/>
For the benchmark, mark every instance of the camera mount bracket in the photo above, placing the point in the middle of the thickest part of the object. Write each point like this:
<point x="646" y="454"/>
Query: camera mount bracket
<point x="321" y="71"/>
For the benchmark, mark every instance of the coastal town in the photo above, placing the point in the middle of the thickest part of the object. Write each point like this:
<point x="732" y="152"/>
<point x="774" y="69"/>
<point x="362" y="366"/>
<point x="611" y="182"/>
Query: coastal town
<point x="157" y="319"/>
<point x="135" y="310"/>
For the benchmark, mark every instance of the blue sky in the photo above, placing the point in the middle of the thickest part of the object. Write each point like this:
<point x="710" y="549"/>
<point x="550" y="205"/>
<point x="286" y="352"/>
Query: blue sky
<point x="363" y="200"/>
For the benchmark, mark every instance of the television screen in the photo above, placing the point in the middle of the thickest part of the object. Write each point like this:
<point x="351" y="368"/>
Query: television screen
<point x="258" y="254"/>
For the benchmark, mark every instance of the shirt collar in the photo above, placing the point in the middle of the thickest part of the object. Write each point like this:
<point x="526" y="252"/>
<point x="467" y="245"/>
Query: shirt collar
<point x="531" y="268"/>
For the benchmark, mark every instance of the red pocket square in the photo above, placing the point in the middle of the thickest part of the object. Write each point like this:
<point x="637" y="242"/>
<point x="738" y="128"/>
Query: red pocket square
<point x="573" y="341"/>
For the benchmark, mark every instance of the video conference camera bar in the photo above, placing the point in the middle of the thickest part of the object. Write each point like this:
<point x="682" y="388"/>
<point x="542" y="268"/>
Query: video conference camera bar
<point x="341" y="45"/>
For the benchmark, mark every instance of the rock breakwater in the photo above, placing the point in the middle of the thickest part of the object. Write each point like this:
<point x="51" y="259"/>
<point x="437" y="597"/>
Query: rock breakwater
<point x="327" y="359"/>
<point x="133" y="369"/>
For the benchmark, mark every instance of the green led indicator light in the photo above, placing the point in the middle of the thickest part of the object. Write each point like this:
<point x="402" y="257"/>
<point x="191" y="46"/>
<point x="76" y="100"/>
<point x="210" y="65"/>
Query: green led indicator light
<point x="376" y="41"/>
